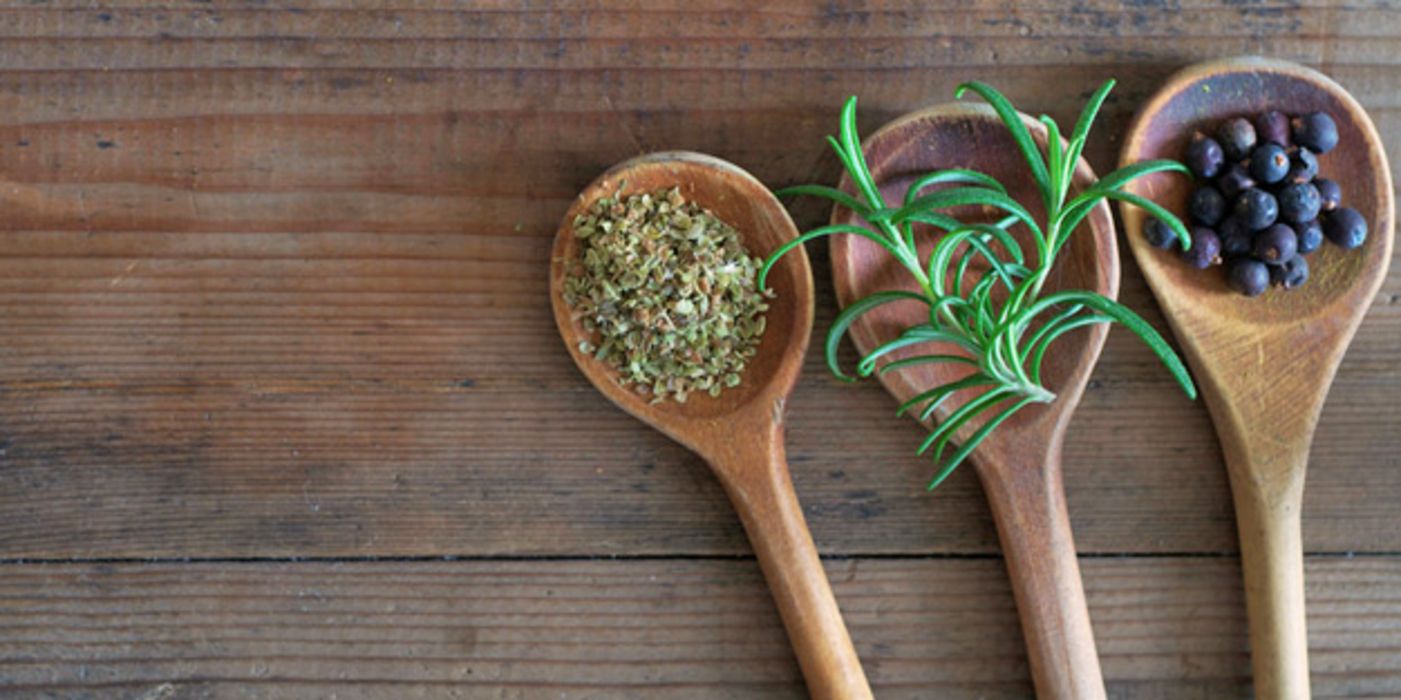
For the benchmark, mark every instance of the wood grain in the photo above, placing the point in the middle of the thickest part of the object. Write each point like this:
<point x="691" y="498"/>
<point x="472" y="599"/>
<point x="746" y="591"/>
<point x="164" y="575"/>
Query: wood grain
<point x="1167" y="628"/>
<point x="280" y="291"/>
<point x="272" y="284"/>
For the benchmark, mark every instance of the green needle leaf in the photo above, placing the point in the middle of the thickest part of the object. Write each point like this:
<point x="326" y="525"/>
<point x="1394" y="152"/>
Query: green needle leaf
<point x="924" y="360"/>
<point x="972" y="443"/>
<point x="851" y="143"/>
<point x="814" y="234"/>
<point x="825" y="192"/>
<point x="913" y="336"/>
<point x="965" y="304"/>
<point x="947" y="247"/>
<point x="966" y="412"/>
<point x="1039" y="349"/>
<point x="1013" y="119"/>
<point x="1129" y="173"/>
<point x="964" y="196"/>
<point x="978" y="299"/>
<point x="943" y="221"/>
<point x="1072" y="215"/>
<point x="937" y="395"/>
<point x="1158" y="211"/>
<point x="1051" y="324"/>
<point x="952" y="176"/>
<point x="1132" y="321"/>
<point x="1055" y="154"/>
<point x="1082" y="127"/>
<point x="849" y="316"/>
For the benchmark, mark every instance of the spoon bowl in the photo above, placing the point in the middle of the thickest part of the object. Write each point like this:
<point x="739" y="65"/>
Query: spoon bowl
<point x="740" y="432"/>
<point x="1019" y="462"/>
<point x="741" y="201"/>
<point x="962" y="135"/>
<point x="1265" y="363"/>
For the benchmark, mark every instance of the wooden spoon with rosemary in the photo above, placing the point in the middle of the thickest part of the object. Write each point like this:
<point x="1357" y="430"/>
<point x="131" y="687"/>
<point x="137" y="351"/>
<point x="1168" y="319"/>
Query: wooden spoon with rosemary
<point x="958" y="274"/>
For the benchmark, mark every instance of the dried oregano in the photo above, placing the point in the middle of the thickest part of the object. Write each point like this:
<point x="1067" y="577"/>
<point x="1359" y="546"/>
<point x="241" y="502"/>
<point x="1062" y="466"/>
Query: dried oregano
<point x="667" y="293"/>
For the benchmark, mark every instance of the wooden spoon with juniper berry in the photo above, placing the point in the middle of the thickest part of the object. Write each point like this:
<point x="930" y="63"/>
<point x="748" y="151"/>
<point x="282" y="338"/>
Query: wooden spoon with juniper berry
<point x="1265" y="363"/>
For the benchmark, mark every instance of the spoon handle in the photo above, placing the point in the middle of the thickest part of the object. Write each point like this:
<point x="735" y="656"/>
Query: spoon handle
<point x="1272" y="561"/>
<point x="1028" y="504"/>
<point x="755" y="474"/>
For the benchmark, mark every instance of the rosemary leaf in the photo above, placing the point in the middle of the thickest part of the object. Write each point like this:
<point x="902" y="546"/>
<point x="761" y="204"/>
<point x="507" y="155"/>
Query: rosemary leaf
<point x="987" y="330"/>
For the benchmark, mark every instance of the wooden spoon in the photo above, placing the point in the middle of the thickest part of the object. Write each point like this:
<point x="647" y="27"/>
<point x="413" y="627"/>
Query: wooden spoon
<point x="1265" y="363"/>
<point x="1019" y="463"/>
<point x="740" y="433"/>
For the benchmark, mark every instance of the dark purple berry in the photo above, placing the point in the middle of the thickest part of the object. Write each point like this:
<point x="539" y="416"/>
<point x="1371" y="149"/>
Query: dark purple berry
<point x="1299" y="203"/>
<point x="1316" y="131"/>
<point x="1293" y="273"/>
<point x="1310" y="235"/>
<point x="1206" y="206"/>
<point x="1273" y="127"/>
<point x="1256" y="208"/>
<point x="1237" y="137"/>
<point x="1303" y="166"/>
<point x="1249" y="277"/>
<point x="1206" y="248"/>
<point x="1204" y="156"/>
<point x="1345" y="227"/>
<point x="1159" y="234"/>
<point x="1236" y="239"/>
<point x="1269" y="163"/>
<point x="1276" y="244"/>
<point x="1330" y="195"/>
<point x="1234" y="179"/>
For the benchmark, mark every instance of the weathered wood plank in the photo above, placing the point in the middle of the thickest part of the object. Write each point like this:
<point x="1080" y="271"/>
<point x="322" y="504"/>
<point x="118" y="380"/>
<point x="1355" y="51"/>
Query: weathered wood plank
<point x="282" y="293"/>
<point x="1167" y="628"/>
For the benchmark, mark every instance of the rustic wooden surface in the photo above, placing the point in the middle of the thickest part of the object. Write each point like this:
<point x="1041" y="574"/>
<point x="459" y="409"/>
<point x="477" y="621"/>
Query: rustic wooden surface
<point x="272" y="289"/>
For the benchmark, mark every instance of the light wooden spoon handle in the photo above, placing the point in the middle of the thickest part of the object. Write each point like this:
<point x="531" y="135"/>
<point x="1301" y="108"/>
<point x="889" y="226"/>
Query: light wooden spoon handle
<point x="1267" y="486"/>
<point x="1272" y="559"/>
<point x="755" y="474"/>
<point x="1028" y="505"/>
<point x="1267" y="455"/>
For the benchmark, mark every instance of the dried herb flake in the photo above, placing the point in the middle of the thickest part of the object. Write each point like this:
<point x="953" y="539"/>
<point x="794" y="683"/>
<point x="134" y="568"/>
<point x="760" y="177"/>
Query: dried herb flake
<point x="667" y="293"/>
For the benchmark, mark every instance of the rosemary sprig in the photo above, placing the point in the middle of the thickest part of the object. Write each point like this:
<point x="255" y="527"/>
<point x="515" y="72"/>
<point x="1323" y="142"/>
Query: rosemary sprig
<point x="994" y="335"/>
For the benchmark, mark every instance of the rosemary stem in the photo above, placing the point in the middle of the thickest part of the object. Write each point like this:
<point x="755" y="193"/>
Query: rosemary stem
<point x="908" y="257"/>
<point x="1044" y="269"/>
<point x="1034" y="391"/>
<point x="988" y="330"/>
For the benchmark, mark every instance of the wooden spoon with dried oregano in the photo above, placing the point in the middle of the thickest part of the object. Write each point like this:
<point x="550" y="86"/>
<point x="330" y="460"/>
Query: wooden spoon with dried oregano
<point x="668" y="292"/>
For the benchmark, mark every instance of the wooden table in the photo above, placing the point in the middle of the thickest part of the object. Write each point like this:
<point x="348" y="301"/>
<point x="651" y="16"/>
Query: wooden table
<point x="283" y="412"/>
